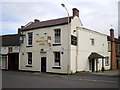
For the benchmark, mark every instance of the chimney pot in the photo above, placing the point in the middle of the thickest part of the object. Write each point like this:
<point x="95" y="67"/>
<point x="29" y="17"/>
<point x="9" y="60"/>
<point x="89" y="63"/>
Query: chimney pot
<point x="22" y="26"/>
<point x="36" y="20"/>
<point x="75" y="12"/>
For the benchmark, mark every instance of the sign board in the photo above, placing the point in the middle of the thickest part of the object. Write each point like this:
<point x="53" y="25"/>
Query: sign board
<point x="73" y="40"/>
<point x="21" y="39"/>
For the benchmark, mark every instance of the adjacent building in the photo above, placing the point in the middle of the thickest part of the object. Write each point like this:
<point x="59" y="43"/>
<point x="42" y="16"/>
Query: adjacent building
<point x="9" y="52"/>
<point x="59" y="46"/>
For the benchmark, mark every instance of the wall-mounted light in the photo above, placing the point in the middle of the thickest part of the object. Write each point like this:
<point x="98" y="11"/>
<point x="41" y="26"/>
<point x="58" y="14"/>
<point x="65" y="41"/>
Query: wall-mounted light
<point x="74" y="31"/>
<point x="37" y="34"/>
<point x="45" y="33"/>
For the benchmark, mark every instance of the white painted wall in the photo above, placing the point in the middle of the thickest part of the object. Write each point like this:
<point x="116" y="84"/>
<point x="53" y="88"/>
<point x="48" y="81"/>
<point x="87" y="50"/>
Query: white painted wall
<point x="4" y="50"/>
<point x="36" y="65"/>
<point x="75" y="22"/>
<point x="73" y="58"/>
<point x="85" y="48"/>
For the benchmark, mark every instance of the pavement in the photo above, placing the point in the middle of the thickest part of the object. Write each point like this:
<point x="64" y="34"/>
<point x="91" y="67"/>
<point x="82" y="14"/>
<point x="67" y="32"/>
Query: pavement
<point x="108" y="73"/>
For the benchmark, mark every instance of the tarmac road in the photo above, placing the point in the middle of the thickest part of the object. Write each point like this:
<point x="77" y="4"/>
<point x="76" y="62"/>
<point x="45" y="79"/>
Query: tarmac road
<point x="15" y="79"/>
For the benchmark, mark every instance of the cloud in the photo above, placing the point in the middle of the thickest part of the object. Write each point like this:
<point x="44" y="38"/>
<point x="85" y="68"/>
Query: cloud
<point x="98" y="15"/>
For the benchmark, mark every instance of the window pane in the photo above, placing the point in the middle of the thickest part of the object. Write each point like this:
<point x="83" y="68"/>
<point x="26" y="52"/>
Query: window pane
<point x="57" y="35"/>
<point x="29" y="38"/>
<point x="29" y="58"/>
<point x="57" y="58"/>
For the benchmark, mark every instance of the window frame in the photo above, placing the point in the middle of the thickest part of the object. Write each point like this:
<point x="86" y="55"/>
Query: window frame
<point x="92" y="40"/>
<point x="118" y="48"/>
<point x="109" y="46"/>
<point x="107" y="61"/>
<point x="57" y="59"/>
<point x="30" y="39"/>
<point x="57" y="36"/>
<point x="10" y="49"/>
<point x="29" y="58"/>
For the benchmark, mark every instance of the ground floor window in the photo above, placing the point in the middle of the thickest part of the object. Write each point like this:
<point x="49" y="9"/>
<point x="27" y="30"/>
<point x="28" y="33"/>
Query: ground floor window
<point x="56" y="58"/>
<point x="3" y="62"/>
<point x="29" y="58"/>
<point x="106" y="61"/>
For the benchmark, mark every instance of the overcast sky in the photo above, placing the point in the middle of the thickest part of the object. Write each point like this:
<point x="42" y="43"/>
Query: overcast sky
<point x="97" y="15"/>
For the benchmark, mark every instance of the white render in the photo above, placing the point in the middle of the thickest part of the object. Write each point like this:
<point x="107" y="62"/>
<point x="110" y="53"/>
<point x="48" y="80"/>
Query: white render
<point x="4" y="49"/>
<point x="85" y="48"/>
<point x="74" y="58"/>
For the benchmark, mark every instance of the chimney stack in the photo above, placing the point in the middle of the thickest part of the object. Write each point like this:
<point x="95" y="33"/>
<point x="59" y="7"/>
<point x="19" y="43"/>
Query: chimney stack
<point x="36" y="20"/>
<point x="113" y="51"/>
<point x="75" y="12"/>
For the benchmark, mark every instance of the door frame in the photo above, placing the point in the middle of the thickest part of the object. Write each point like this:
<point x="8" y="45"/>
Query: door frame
<point x="93" y="65"/>
<point x="43" y="64"/>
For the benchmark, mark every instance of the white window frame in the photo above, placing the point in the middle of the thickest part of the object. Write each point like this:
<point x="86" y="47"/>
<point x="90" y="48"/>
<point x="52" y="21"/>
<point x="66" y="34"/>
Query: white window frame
<point x="109" y="46"/>
<point x="29" y="58"/>
<point x="57" y="59"/>
<point x="57" y="36"/>
<point x="28" y="40"/>
<point x="118" y="48"/>
<point x="10" y="49"/>
<point x="92" y="40"/>
<point x="107" y="61"/>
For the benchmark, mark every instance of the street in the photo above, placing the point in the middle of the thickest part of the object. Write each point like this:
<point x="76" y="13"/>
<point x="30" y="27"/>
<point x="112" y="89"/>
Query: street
<point x="17" y="79"/>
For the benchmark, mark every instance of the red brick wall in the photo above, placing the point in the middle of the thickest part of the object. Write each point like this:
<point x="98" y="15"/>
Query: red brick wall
<point x="113" y="51"/>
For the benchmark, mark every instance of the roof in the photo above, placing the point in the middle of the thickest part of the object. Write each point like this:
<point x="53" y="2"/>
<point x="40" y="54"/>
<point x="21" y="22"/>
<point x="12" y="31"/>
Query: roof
<point x="116" y="40"/>
<point x="93" y="31"/>
<point x="49" y="23"/>
<point x="10" y="40"/>
<point x="95" y="55"/>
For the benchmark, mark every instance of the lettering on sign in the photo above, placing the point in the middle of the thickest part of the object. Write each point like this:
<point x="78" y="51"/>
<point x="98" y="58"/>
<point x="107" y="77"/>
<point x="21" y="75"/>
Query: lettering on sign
<point x="73" y="40"/>
<point x="42" y="41"/>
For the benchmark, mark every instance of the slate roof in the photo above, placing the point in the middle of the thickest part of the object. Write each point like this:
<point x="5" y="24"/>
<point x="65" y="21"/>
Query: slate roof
<point x="95" y="55"/>
<point x="116" y="40"/>
<point x="49" y="23"/>
<point x="9" y="40"/>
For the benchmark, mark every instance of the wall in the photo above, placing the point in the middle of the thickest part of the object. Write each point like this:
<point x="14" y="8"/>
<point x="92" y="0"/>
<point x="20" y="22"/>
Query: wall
<point x="75" y="22"/>
<point x="35" y="49"/>
<point x="85" y="48"/>
<point x="4" y="50"/>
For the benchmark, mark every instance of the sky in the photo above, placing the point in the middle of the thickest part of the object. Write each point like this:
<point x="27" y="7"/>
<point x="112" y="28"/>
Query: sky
<point x="97" y="15"/>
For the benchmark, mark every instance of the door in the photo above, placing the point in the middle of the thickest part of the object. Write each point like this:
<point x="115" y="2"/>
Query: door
<point x="93" y="65"/>
<point x="13" y="61"/>
<point x="43" y="64"/>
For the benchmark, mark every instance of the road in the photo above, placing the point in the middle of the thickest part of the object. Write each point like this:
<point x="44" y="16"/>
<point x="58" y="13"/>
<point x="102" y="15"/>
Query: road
<point x="15" y="79"/>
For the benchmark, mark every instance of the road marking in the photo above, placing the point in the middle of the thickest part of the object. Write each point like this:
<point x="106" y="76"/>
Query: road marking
<point x="96" y="80"/>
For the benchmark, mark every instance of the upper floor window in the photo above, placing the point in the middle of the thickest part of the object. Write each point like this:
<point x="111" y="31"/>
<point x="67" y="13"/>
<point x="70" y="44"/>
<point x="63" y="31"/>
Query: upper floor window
<point x="57" y="36"/>
<point x="118" y="48"/>
<point x="109" y="46"/>
<point x="10" y="49"/>
<point x="92" y="41"/>
<point x="30" y="38"/>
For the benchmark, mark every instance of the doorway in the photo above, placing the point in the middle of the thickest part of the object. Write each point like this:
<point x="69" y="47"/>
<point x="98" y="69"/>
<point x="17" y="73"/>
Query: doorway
<point x="13" y="61"/>
<point x="93" y="65"/>
<point x="43" y="64"/>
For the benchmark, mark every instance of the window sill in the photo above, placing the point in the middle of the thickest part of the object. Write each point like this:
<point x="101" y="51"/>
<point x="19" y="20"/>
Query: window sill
<point x="29" y="46"/>
<point x="55" y="67"/>
<point x="106" y="65"/>
<point x="56" y="44"/>
<point x="28" y="65"/>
